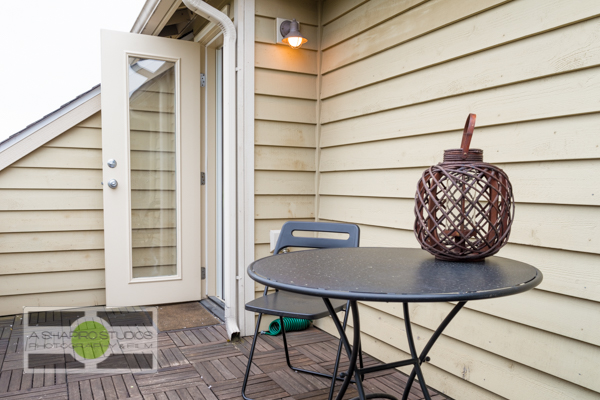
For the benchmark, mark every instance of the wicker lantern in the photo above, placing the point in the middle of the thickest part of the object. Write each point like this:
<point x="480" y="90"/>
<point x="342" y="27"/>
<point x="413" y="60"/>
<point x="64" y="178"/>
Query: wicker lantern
<point x="464" y="207"/>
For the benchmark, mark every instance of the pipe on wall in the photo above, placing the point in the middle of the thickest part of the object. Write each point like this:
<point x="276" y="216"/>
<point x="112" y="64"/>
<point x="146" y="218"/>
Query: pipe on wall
<point x="229" y="159"/>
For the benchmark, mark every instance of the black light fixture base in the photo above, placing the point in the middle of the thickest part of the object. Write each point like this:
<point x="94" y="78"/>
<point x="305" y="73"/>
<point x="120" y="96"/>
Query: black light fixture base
<point x="284" y="28"/>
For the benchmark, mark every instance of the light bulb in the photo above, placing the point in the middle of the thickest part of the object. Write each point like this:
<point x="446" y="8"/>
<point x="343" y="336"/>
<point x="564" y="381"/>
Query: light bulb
<point x="295" y="42"/>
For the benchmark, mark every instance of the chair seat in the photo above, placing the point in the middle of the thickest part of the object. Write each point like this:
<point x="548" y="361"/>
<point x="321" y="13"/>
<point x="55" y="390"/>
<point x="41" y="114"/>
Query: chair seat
<point x="293" y="305"/>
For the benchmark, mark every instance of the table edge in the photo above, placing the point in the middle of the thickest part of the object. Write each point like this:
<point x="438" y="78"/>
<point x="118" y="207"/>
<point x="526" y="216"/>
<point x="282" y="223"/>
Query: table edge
<point x="408" y="298"/>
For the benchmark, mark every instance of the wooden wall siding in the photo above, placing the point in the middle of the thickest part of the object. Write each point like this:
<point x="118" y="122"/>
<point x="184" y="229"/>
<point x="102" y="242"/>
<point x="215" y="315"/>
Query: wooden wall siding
<point x="51" y="223"/>
<point x="512" y="22"/>
<point x="397" y="84"/>
<point x="285" y="120"/>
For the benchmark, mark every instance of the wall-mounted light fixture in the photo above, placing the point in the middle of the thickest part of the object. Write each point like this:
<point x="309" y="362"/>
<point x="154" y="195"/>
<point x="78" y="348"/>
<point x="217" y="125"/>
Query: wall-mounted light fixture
<point x="289" y="33"/>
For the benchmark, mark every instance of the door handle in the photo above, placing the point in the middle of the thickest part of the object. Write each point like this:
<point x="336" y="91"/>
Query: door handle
<point x="113" y="183"/>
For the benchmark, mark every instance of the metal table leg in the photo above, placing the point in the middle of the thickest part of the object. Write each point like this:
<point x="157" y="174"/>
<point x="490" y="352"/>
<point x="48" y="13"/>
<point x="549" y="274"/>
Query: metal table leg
<point x="423" y="356"/>
<point x="416" y="361"/>
<point x="353" y="354"/>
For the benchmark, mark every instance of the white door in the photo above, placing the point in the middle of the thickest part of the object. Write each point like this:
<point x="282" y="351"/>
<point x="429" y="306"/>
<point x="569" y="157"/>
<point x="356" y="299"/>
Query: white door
<point x="151" y="129"/>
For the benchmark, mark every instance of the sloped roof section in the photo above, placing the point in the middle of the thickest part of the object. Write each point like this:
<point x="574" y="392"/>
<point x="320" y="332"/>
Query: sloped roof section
<point x="46" y="119"/>
<point x="50" y="126"/>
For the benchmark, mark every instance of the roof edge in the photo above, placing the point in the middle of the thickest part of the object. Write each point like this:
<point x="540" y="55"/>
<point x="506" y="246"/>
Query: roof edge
<point x="144" y="16"/>
<point x="48" y="119"/>
<point x="39" y="133"/>
<point x="154" y="16"/>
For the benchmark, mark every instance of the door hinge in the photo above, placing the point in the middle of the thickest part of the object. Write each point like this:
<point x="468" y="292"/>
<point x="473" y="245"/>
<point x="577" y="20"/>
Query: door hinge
<point x="202" y="272"/>
<point x="202" y="80"/>
<point x="202" y="178"/>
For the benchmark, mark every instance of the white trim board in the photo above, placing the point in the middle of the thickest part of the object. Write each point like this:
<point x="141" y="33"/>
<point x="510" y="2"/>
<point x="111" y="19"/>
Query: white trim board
<point x="246" y="28"/>
<point x="49" y="128"/>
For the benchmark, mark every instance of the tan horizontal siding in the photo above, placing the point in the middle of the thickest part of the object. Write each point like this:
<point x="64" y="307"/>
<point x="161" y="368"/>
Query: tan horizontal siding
<point x="536" y="224"/>
<point x="153" y="101"/>
<point x="285" y="84"/>
<point x="51" y="241"/>
<point x="95" y="121"/>
<point x="142" y="257"/>
<point x="41" y="262"/>
<point x="333" y="10"/>
<point x="150" y="141"/>
<point x="510" y="22"/>
<point x="563" y="138"/>
<point x="153" y="199"/>
<point x="304" y="11"/>
<point x="288" y="207"/>
<point x="284" y="182"/>
<point x="556" y="182"/>
<point x="395" y="93"/>
<point x="285" y="111"/>
<point x="48" y="221"/>
<point x="284" y="158"/>
<point x="51" y="223"/>
<point x="418" y="21"/>
<point x="260" y="251"/>
<point x="284" y="58"/>
<point x="150" y="237"/>
<point x="78" y="137"/>
<point x="50" y="282"/>
<point x="51" y="178"/>
<point x="362" y="18"/>
<point x="507" y="104"/>
<point x="532" y="58"/>
<point x="40" y="199"/>
<point x="151" y="121"/>
<point x="148" y="219"/>
<point x="78" y="298"/>
<point x="152" y="161"/>
<point x="152" y="180"/>
<point x="49" y="157"/>
<point x="285" y="134"/>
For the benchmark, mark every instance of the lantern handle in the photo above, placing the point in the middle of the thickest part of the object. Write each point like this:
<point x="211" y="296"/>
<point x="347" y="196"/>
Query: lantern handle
<point x="467" y="135"/>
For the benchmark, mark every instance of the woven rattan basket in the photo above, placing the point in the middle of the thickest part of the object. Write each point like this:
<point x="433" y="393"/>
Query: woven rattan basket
<point x="464" y="207"/>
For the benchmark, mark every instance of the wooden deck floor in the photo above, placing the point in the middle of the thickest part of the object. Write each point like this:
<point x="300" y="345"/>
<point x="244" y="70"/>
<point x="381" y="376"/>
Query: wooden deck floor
<point x="196" y="364"/>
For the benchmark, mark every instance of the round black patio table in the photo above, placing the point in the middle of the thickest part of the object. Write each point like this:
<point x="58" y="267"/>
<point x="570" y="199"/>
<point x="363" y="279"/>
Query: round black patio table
<point x="391" y="275"/>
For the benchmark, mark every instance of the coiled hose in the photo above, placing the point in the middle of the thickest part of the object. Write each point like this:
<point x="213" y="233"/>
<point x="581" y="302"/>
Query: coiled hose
<point x="290" y="325"/>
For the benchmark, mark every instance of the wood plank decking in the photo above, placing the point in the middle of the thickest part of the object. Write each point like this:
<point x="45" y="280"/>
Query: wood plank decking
<point x="196" y="364"/>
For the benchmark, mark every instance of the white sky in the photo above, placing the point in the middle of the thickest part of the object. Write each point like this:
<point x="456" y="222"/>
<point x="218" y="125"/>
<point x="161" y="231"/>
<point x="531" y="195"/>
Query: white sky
<point x="51" y="53"/>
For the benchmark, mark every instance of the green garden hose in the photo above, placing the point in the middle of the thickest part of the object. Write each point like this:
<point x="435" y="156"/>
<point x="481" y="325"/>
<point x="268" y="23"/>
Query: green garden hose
<point x="290" y="325"/>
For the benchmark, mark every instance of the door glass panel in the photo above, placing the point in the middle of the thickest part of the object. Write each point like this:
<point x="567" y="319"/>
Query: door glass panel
<point x="152" y="133"/>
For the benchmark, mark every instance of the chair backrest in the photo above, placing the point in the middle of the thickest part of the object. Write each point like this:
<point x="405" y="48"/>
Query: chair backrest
<point x="287" y="238"/>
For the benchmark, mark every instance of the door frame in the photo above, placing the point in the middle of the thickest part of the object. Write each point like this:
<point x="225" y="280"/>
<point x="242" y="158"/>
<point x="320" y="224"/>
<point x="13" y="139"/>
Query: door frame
<point x="209" y="162"/>
<point x="239" y="232"/>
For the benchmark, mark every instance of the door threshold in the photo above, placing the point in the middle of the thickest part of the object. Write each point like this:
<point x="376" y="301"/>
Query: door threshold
<point x="215" y="306"/>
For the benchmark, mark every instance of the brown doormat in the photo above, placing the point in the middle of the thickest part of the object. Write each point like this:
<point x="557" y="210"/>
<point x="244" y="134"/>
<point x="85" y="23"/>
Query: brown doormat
<point x="184" y="315"/>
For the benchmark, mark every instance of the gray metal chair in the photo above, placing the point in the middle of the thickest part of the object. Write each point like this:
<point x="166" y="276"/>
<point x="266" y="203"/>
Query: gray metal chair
<point x="292" y="305"/>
